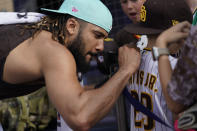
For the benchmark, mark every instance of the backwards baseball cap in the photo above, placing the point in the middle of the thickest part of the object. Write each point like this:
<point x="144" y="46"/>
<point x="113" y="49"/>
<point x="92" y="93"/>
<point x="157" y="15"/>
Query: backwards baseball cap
<point x="158" y="15"/>
<point x="92" y="11"/>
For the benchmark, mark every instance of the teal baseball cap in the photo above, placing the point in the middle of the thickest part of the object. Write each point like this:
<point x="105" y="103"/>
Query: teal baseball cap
<point x="92" y="11"/>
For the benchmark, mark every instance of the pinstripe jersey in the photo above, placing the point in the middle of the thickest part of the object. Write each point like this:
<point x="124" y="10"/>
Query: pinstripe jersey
<point x="145" y="86"/>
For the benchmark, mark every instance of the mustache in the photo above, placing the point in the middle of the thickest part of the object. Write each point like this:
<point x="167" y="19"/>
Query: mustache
<point x="92" y="54"/>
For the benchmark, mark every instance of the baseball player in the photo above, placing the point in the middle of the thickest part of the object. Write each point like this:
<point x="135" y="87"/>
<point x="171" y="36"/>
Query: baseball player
<point x="63" y="37"/>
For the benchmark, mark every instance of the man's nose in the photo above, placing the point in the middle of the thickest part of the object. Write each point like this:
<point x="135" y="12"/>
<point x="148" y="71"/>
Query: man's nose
<point x="100" y="45"/>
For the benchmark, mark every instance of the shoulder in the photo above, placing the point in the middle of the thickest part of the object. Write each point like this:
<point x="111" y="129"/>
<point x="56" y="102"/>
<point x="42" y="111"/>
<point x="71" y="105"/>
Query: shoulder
<point x="45" y="45"/>
<point x="50" y="52"/>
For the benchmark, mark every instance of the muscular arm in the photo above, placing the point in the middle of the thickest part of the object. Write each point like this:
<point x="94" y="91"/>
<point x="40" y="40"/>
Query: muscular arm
<point x="82" y="109"/>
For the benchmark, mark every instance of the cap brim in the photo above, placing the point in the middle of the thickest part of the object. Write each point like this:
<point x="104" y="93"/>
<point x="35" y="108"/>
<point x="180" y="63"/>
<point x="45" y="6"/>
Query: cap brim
<point x="141" y="30"/>
<point x="50" y="10"/>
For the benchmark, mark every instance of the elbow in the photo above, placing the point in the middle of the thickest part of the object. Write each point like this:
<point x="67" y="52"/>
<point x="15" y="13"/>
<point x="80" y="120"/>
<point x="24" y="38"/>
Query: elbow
<point x="173" y="105"/>
<point x="176" y="108"/>
<point x="81" y="124"/>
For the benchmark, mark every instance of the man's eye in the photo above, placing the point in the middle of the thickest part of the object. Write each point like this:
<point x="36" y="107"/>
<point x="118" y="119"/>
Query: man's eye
<point x="98" y="36"/>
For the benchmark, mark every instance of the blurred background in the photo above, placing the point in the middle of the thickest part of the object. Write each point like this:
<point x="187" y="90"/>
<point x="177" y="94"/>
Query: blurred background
<point x="34" y="5"/>
<point x="34" y="112"/>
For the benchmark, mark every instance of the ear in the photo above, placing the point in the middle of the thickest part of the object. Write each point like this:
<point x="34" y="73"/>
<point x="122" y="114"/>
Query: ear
<point x="72" y="26"/>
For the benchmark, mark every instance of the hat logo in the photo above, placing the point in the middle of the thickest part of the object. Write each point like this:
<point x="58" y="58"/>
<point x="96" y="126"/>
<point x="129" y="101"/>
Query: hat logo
<point x="74" y="9"/>
<point x="174" y="22"/>
<point x="143" y="14"/>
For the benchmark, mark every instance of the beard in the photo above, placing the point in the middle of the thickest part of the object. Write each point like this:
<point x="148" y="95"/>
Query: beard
<point x="77" y="48"/>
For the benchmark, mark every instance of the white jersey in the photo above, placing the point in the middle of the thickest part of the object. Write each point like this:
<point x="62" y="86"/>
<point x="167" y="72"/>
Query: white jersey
<point x="61" y="124"/>
<point x="145" y="86"/>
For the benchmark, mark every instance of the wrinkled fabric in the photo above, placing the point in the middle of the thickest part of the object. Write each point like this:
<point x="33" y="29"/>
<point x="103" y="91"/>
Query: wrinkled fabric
<point x="19" y="17"/>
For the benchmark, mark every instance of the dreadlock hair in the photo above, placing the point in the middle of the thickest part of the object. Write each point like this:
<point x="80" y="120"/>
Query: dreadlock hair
<point x="54" y="24"/>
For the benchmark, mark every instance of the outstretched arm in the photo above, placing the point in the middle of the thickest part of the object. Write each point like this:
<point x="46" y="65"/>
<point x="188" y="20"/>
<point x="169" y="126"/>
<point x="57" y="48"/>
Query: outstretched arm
<point x="174" y="35"/>
<point x="81" y="109"/>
